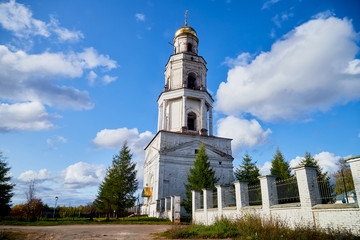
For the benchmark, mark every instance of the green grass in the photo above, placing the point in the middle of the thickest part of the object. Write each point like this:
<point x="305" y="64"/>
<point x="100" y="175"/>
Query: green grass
<point x="254" y="228"/>
<point x="7" y="235"/>
<point x="69" y="221"/>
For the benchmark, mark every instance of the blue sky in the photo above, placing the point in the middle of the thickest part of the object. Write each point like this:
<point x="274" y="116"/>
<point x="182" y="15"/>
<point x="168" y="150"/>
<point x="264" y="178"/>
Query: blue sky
<point x="78" y="78"/>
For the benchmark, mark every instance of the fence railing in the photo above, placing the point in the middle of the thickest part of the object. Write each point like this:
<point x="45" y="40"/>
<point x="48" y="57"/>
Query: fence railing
<point x="254" y="195"/>
<point x="327" y="190"/>
<point x="287" y="190"/>
<point x="201" y="200"/>
<point x="215" y="199"/>
<point x="230" y="199"/>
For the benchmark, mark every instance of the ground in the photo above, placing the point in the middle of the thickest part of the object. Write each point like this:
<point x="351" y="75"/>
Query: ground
<point x="77" y="232"/>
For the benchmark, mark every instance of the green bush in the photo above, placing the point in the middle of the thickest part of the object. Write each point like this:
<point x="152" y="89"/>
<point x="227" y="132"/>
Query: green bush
<point x="253" y="228"/>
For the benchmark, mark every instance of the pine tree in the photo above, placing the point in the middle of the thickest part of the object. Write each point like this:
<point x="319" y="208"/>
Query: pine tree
<point x="279" y="167"/>
<point x="200" y="176"/>
<point x="118" y="188"/>
<point x="247" y="171"/>
<point x="5" y="187"/>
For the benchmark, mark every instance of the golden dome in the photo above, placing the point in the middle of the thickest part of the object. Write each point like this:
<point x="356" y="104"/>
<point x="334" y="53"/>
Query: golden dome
<point x="185" y="30"/>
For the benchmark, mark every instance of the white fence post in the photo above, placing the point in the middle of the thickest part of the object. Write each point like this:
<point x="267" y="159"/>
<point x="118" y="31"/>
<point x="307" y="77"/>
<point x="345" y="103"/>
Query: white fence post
<point x="354" y="163"/>
<point x="268" y="192"/>
<point x="195" y="203"/>
<point x="241" y="194"/>
<point x="308" y="186"/>
<point x="177" y="208"/>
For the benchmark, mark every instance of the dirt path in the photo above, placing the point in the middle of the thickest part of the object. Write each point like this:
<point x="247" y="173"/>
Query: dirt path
<point x="91" y="231"/>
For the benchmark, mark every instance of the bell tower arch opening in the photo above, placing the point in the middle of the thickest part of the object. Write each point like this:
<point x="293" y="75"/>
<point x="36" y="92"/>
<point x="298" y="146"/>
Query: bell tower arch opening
<point x="191" y="81"/>
<point x="191" y="121"/>
<point x="189" y="47"/>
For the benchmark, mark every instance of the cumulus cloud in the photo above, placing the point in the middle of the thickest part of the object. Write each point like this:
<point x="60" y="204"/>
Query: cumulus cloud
<point x="115" y="138"/>
<point x="327" y="161"/>
<point x="243" y="132"/>
<point x="265" y="169"/>
<point x="31" y="175"/>
<point x="19" y="19"/>
<point x="30" y="77"/>
<point x="82" y="174"/>
<point x="27" y="116"/>
<point x="140" y="17"/>
<point x="312" y="68"/>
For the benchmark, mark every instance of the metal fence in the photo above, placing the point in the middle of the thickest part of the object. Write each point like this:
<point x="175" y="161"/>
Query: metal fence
<point x="254" y="195"/>
<point x="327" y="190"/>
<point x="201" y="200"/>
<point x="215" y="199"/>
<point x="229" y="198"/>
<point x="287" y="190"/>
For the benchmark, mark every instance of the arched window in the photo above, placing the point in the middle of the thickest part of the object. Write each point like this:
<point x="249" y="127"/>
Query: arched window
<point x="191" y="120"/>
<point x="189" y="47"/>
<point x="191" y="81"/>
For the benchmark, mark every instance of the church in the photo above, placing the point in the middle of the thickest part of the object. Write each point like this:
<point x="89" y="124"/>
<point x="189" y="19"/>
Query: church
<point x="184" y="122"/>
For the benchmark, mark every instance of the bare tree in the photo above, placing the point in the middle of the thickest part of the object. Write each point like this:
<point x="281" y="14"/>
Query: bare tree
<point x="33" y="205"/>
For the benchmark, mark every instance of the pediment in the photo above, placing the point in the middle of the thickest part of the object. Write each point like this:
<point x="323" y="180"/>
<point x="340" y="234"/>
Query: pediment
<point x="188" y="148"/>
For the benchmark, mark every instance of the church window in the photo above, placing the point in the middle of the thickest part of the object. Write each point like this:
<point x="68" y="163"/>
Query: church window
<point x="220" y="163"/>
<point x="189" y="47"/>
<point x="191" y="119"/>
<point x="191" y="81"/>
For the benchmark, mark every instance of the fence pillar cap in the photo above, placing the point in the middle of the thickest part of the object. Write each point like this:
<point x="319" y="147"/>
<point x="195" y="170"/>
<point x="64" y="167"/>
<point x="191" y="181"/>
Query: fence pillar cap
<point x="353" y="159"/>
<point x="267" y="176"/>
<point x="300" y="167"/>
<point x="204" y="189"/>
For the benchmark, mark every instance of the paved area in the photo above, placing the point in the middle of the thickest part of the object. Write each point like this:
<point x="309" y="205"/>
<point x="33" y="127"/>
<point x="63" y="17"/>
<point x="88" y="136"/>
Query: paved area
<point x="91" y="231"/>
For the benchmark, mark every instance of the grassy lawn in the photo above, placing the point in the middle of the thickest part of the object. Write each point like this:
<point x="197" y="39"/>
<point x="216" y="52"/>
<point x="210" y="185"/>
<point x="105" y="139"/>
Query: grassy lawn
<point x="253" y="228"/>
<point x="64" y="221"/>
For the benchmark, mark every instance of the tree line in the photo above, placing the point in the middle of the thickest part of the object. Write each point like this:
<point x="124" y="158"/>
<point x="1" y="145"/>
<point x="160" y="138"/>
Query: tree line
<point x="116" y="192"/>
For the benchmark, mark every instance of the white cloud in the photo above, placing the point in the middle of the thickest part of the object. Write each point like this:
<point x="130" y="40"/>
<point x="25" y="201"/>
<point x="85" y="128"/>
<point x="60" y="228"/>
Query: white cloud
<point x="30" y="175"/>
<point x="115" y="138"/>
<point x="326" y="160"/>
<point x="140" y="17"/>
<point x="54" y="141"/>
<point x="28" y="116"/>
<point x="82" y="174"/>
<point x="64" y="34"/>
<point x="91" y="77"/>
<point x="108" y="79"/>
<point x="30" y="77"/>
<point x="304" y="72"/>
<point x="265" y="169"/>
<point x="268" y="3"/>
<point x="242" y="131"/>
<point x="17" y="18"/>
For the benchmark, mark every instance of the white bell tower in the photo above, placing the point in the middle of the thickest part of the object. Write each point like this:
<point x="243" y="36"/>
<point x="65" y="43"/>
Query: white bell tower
<point x="185" y="105"/>
<point x="184" y="122"/>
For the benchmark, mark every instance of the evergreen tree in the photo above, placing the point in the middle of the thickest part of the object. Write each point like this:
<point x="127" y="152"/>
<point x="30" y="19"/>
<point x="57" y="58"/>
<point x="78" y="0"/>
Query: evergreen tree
<point x="343" y="174"/>
<point x="200" y="176"/>
<point x="5" y="187"/>
<point x="118" y="188"/>
<point x="247" y="171"/>
<point x="279" y="167"/>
